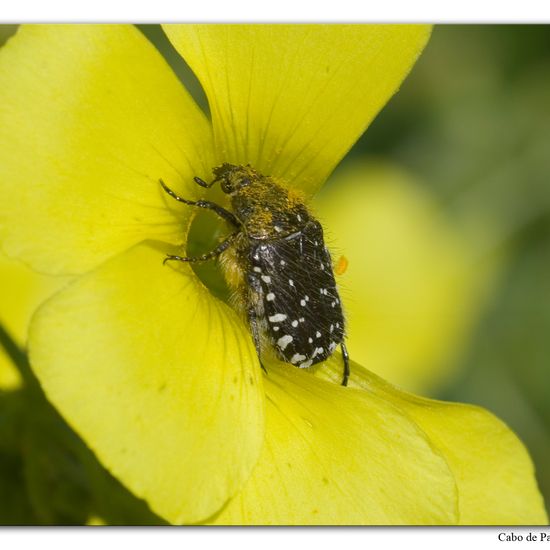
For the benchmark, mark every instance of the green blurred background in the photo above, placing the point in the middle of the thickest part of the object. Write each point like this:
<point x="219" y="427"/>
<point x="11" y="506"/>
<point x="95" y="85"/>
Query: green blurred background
<point x="472" y="125"/>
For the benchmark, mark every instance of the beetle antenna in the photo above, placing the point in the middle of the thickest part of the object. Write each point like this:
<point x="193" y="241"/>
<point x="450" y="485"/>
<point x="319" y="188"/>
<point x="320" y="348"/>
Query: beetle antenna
<point x="202" y="183"/>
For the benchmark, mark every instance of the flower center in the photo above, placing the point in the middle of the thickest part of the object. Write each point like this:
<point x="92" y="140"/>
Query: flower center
<point x="205" y="234"/>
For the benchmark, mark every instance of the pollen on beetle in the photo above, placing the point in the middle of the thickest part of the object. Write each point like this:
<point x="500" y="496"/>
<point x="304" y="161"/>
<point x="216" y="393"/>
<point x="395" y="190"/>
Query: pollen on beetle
<point x="341" y="266"/>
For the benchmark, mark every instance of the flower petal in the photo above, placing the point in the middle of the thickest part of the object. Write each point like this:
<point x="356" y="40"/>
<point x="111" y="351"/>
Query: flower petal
<point x="21" y="292"/>
<point x="91" y="117"/>
<point x="292" y="99"/>
<point x="335" y="455"/>
<point x="493" y="471"/>
<point x="412" y="285"/>
<point x="159" y="379"/>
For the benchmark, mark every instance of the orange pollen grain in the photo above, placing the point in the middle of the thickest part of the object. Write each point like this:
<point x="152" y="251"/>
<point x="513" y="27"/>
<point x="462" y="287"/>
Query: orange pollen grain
<point x="341" y="266"/>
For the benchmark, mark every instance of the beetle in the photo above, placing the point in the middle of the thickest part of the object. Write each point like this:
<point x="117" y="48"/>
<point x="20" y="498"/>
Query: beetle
<point x="276" y="262"/>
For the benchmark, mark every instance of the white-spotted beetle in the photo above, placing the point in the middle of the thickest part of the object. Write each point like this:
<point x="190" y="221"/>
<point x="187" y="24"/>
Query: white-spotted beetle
<point x="278" y="265"/>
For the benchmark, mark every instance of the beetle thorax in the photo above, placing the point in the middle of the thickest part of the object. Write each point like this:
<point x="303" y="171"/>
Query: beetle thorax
<point x="268" y="210"/>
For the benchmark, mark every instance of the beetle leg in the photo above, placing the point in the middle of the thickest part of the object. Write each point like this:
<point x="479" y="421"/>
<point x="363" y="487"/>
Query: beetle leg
<point x="222" y="212"/>
<point x="345" y="356"/>
<point x="224" y="245"/>
<point x="253" y="321"/>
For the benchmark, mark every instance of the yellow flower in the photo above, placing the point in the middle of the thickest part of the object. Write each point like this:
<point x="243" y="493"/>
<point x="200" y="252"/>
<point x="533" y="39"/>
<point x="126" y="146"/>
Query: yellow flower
<point x="21" y="291"/>
<point x="159" y="377"/>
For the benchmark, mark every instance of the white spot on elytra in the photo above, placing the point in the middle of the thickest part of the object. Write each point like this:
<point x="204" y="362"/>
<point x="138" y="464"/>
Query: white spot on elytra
<point x="302" y="303"/>
<point x="318" y="334"/>
<point x="301" y="319"/>
<point x="258" y="269"/>
<point x="333" y="304"/>
<point x="270" y="297"/>
<point x="297" y="357"/>
<point x="276" y="329"/>
<point x="266" y="279"/>
<point x="332" y="346"/>
<point x="310" y="340"/>
<point x="294" y="323"/>
<point x="299" y="218"/>
<point x="291" y="282"/>
<point x="322" y="266"/>
<point x="316" y="352"/>
<point x="282" y="262"/>
<point x="277" y="318"/>
<point x="306" y="298"/>
<point x="331" y="328"/>
<point x="305" y="364"/>
<point x="284" y="341"/>
<point x="277" y="228"/>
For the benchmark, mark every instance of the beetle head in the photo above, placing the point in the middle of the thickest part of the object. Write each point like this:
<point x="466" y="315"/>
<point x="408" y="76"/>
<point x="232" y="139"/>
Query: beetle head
<point x="233" y="178"/>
